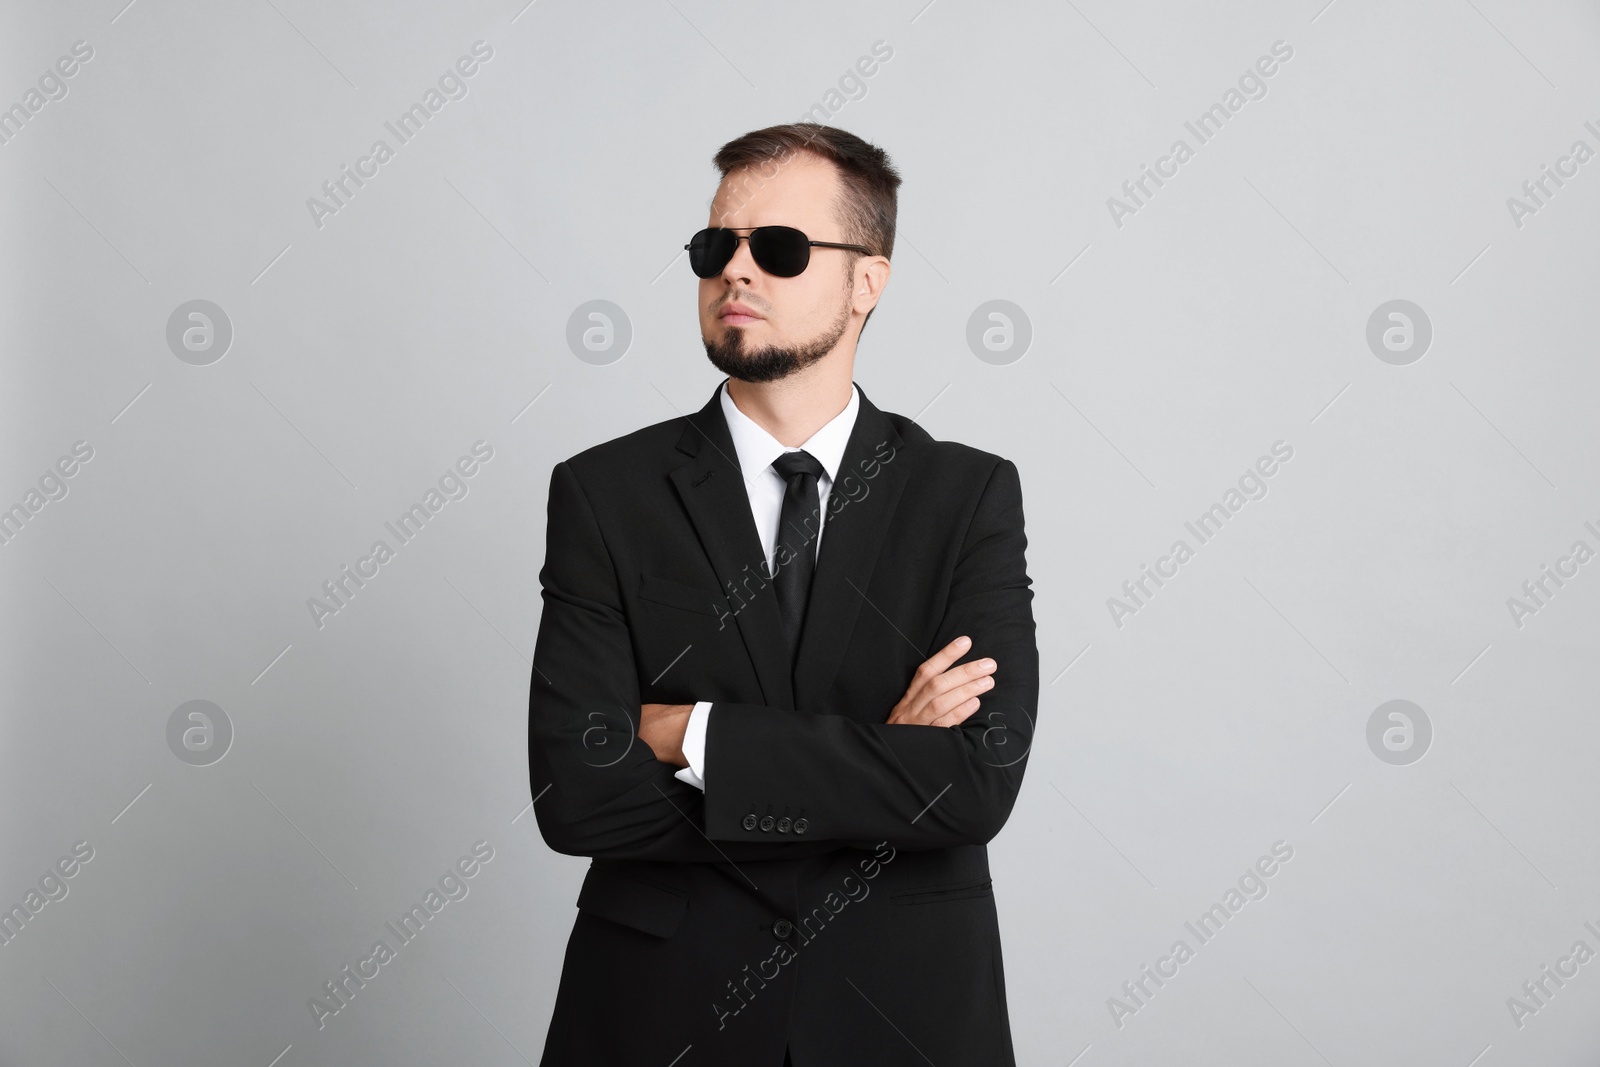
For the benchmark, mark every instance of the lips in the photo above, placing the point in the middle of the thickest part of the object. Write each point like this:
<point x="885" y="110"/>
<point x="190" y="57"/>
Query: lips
<point x="737" y="315"/>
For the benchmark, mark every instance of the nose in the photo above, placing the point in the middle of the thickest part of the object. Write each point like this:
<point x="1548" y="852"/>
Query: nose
<point x="742" y="267"/>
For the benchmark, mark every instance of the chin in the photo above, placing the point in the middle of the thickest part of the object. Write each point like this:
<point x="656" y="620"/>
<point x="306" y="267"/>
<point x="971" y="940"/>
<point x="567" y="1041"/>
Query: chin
<point x="731" y="335"/>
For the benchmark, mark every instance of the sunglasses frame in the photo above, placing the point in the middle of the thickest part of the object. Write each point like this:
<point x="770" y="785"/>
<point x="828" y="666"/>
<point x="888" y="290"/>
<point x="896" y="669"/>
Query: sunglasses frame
<point x="810" y="244"/>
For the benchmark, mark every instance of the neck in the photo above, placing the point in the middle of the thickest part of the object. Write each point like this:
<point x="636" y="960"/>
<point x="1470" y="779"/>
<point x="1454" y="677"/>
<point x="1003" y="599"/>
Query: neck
<point x="794" y="408"/>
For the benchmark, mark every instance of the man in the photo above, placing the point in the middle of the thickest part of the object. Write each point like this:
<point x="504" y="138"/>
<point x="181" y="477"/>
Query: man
<point x="785" y="680"/>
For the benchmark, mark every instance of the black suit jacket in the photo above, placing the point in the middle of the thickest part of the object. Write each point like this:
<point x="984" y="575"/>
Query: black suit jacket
<point x="830" y="889"/>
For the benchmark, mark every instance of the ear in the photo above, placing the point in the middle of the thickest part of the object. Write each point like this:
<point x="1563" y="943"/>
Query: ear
<point x="872" y="274"/>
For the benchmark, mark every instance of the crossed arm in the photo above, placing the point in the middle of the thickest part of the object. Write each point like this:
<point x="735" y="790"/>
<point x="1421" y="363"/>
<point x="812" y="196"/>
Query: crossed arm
<point x="939" y="695"/>
<point x="605" y="791"/>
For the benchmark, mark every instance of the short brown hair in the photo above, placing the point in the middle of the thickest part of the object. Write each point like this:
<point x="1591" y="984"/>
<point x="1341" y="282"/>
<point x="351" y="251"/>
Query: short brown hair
<point x="867" y="206"/>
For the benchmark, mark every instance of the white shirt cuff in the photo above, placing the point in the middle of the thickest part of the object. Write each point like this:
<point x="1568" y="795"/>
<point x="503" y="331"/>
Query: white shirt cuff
<point x="694" y="747"/>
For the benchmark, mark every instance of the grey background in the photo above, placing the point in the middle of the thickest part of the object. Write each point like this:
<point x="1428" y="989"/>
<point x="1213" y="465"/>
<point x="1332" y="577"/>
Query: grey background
<point x="1166" y="356"/>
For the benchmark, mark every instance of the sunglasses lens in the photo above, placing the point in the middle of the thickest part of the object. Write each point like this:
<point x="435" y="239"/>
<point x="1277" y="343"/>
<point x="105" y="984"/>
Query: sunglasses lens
<point x="710" y="250"/>
<point x="780" y="250"/>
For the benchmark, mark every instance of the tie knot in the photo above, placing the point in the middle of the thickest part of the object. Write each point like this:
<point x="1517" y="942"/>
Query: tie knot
<point x="797" y="462"/>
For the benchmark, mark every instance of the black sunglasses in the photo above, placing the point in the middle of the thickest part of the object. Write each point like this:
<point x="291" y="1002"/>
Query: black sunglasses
<point x="782" y="251"/>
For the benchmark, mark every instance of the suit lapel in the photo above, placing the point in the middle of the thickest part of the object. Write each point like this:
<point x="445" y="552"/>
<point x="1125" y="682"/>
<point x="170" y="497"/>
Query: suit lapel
<point x="866" y="493"/>
<point x="871" y="476"/>
<point x="712" y="489"/>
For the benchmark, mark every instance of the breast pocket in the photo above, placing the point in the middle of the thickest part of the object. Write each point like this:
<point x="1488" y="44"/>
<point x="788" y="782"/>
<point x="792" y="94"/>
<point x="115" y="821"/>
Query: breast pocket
<point x="678" y="595"/>
<point x="683" y="641"/>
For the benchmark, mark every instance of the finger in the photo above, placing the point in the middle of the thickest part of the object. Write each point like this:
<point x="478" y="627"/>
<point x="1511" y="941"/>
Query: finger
<point x="966" y="672"/>
<point x="979" y="666"/>
<point x="940" y="661"/>
<point x="930" y="711"/>
<point x="959" y="714"/>
<point x="954" y="678"/>
<point x="975" y="687"/>
<point x="953" y="691"/>
<point x="930" y="715"/>
<point x="936" y="676"/>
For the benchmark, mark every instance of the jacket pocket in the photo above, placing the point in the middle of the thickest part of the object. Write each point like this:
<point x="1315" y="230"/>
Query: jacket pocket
<point x="678" y="595"/>
<point x="972" y="887"/>
<point x="648" y="907"/>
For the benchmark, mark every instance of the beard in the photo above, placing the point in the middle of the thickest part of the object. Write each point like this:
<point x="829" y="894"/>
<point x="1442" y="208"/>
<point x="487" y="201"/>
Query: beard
<point x="771" y="363"/>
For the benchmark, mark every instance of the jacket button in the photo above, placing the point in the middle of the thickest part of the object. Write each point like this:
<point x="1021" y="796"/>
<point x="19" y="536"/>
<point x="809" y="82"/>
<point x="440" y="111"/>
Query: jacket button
<point x="800" y="826"/>
<point x="782" y="929"/>
<point x="749" y="822"/>
<point x="766" y="822"/>
<point x="783" y="825"/>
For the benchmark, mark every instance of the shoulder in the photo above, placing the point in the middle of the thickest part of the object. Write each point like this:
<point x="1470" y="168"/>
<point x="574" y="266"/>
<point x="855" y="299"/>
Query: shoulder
<point x="950" y="460"/>
<point x="648" y="448"/>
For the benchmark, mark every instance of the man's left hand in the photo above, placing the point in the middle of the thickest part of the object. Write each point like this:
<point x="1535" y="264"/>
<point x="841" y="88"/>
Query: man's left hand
<point x="661" y="726"/>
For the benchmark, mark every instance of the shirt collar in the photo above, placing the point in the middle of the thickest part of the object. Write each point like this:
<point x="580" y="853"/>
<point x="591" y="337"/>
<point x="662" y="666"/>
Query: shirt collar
<point x="757" y="448"/>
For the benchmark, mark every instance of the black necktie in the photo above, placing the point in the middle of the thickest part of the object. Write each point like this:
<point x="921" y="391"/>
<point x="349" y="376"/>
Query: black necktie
<point x="799" y="524"/>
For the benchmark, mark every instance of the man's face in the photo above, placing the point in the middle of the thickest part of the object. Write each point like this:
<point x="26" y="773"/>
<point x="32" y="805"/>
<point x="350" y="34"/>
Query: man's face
<point x="797" y="321"/>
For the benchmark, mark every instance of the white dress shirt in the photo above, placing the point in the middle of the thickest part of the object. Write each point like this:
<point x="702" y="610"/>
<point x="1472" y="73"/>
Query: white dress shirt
<point x="756" y="450"/>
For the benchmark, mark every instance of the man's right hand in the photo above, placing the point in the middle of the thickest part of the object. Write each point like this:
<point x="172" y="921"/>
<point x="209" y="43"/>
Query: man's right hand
<point x="941" y="695"/>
